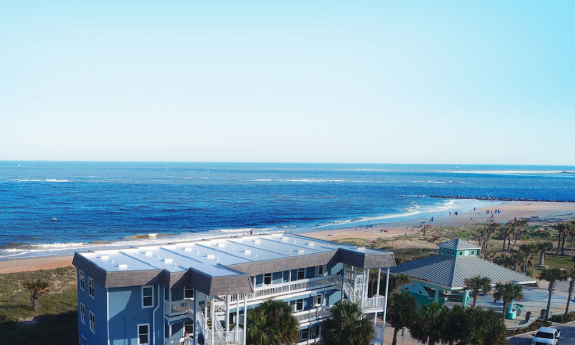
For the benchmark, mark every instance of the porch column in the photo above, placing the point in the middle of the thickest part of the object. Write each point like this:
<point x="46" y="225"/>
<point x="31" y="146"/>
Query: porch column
<point x="465" y="297"/>
<point x="245" y="317"/>
<point x="343" y="282"/>
<point x="436" y="297"/>
<point x="385" y="306"/>
<point x="238" y="312"/>
<point x="378" y="279"/>
<point x="196" y="311"/>
<point x="228" y="313"/>
<point x="213" y="319"/>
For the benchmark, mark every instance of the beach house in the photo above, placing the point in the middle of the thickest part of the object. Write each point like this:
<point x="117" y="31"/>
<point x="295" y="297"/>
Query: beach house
<point x="155" y="294"/>
<point x="441" y="277"/>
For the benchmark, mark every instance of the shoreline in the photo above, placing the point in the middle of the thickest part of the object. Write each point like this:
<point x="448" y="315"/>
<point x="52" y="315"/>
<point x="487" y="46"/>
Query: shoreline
<point x="544" y="211"/>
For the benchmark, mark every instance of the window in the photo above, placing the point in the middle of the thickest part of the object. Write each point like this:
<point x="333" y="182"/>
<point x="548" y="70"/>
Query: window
<point x="189" y="327"/>
<point x="298" y="305"/>
<point x="301" y="273"/>
<point x="320" y="271"/>
<point x="84" y="342"/>
<point x="147" y="297"/>
<point x="82" y="313"/>
<point x="91" y="282"/>
<point x="304" y="334"/>
<point x="315" y="332"/>
<point x="188" y="293"/>
<point x="473" y="252"/>
<point x="93" y="322"/>
<point x="268" y="279"/>
<point x="82" y="281"/>
<point x="319" y="300"/>
<point x="460" y="253"/>
<point x="144" y="334"/>
<point x="453" y="252"/>
<point x="442" y="251"/>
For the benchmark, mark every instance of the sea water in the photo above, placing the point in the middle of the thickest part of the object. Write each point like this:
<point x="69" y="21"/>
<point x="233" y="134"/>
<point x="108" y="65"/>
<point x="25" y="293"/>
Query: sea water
<point x="53" y="207"/>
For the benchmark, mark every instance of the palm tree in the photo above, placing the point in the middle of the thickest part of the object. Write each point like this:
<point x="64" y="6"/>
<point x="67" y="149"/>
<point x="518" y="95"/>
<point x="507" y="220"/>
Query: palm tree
<point x="519" y="228"/>
<point x="508" y="292"/>
<point x="489" y="230"/>
<point x="271" y="323"/>
<point x="401" y="312"/>
<point x="400" y="280"/>
<point x="552" y="275"/>
<point x="347" y="325"/>
<point x="505" y="233"/>
<point x="528" y="250"/>
<point x="543" y="247"/>
<point x="427" y="325"/>
<point x="569" y="231"/>
<point x="517" y="258"/>
<point x="561" y="229"/>
<point x="571" y="276"/>
<point x="476" y="284"/>
<point x="451" y="324"/>
<point x="37" y="289"/>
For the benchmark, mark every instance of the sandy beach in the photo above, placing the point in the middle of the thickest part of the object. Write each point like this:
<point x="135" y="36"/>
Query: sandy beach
<point x="545" y="212"/>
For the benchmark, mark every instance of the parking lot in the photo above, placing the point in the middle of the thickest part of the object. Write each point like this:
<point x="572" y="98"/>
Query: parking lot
<point x="567" y="335"/>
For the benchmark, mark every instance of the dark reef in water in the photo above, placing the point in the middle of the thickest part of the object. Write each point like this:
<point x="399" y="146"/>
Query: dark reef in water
<point x="493" y="198"/>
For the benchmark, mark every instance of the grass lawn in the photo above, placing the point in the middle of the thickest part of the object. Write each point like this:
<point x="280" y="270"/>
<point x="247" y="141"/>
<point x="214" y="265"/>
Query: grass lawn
<point x="55" y="322"/>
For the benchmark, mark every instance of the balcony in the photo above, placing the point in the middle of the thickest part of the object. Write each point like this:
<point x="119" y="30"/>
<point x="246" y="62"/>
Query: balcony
<point x="374" y="303"/>
<point x="178" y="308"/>
<point x="309" y="316"/>
<point x="267" y="291"/>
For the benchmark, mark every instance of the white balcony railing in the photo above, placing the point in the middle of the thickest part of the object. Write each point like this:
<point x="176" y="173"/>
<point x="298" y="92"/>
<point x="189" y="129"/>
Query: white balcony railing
<point x="294" y="286"/>
<point x="312" y="315"/>
<point x="178" y="308"/>
<point x="375" y="302"/>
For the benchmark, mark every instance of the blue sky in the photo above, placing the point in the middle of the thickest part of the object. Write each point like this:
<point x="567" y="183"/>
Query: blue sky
<point x="490" y="82"/>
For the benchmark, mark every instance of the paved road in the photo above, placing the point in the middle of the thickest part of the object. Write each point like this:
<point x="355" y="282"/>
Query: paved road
<point x="567" y="336"/>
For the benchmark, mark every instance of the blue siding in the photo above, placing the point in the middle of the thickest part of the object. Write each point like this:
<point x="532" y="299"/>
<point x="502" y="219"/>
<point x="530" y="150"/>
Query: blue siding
<point x="335" y="268"/>
<point x="126" y="312"/>
<point x="310" y="272"/>
<point x="286" y="276"/>
<point x="96" y="305"/>
<point x="293" y="275"/>
<point x="177" y="294"/>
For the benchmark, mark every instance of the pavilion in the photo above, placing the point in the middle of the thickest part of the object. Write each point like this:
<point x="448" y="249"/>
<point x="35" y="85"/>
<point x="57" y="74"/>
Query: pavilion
<point x="437" y="276"/>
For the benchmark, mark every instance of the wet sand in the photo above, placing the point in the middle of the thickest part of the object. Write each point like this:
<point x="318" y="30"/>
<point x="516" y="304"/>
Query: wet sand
<point x="545" y="211"/>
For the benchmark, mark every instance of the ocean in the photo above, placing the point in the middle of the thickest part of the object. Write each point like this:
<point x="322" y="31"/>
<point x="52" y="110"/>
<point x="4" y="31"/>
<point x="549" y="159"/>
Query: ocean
<point x="58" y="207"/>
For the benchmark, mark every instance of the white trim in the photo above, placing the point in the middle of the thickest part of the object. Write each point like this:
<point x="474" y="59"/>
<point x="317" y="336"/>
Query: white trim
<point x="93" y="323"/>
<point x="193" y="293"/>
<point x="83" y="313"/>
<point x="151" y="287"/>
<point x="92" y="287"/>
<point x="83" y="340"/>
<point x="324" y="269"/>
<point x="138" y="333"/>
<point x="82" y="280"/>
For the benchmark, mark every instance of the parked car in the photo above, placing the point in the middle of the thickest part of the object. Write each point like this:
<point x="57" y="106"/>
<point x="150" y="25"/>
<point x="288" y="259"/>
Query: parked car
<point x="546" y="336"/>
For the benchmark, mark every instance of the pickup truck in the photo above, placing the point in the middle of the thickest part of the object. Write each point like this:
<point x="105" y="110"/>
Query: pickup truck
<point x="546" y="336"/>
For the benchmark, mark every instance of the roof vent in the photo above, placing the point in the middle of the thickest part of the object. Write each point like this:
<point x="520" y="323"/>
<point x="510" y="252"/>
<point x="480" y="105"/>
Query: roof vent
<point x="104" y="257"/>
<point x="361" y="249"/>
<point x="248" y="252"/>
<point x="148" y="253"/>
<point x="211" y="256"/>
<point x="258" y="241"/>
<point x="301" y="251"/>
<point x="285" y="239"/>
<point x="311" y="244"/>
<point x="168" y="261"/>
<point x="221" y="245"/>
<point x="188" y="249"/>
<point x="123" y="267"/>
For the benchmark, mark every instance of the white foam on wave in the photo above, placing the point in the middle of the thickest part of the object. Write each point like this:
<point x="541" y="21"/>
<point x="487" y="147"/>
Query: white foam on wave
<point x="56" y="180"/>
<point x="510" y="172"/>
<point x="428" y="181"/>
<point x="24" y="180"/>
